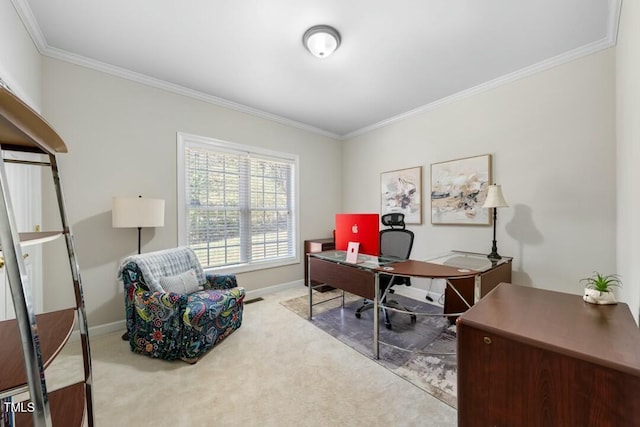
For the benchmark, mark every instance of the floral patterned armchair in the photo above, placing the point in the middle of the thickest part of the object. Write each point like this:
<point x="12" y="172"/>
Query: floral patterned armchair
<point x="173" y="309"/>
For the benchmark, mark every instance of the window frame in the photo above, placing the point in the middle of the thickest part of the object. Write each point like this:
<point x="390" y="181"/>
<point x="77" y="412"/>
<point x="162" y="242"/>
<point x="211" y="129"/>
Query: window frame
<point x="184" y="140"/>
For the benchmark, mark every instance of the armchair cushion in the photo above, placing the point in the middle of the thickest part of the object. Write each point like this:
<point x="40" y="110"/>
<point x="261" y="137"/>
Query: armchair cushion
<point x="183" y="283"/>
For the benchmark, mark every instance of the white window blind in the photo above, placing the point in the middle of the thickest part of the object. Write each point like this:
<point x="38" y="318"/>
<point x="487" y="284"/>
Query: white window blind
<point x="238" y="203"/>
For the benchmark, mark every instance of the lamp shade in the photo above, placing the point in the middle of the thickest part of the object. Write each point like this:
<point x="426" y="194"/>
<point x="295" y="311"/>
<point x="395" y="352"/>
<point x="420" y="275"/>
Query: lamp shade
<point x="131" y="212"/>
<point x="495" y="199"/>
<point x="321" y="40"/>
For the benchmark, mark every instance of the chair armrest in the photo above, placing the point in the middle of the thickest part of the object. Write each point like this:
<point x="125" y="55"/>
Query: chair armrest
<point x="160" y="309"/>
<point x="152" y="307"/>
<point x="157" y="326"/>
<point x="220" y="281"/>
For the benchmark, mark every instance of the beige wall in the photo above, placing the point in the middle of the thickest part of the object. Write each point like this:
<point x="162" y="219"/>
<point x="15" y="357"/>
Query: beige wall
<point x="121" y="137"/>
<point x="552" y="139"/>
<point x="628" y="137"/>
<point x="20" y="62"/>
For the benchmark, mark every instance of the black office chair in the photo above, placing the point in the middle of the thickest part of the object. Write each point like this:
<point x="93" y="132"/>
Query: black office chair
<point x="396" y="242"/>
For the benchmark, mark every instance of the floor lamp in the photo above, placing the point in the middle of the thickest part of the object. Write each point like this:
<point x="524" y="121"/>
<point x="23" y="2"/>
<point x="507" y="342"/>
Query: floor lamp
<point x="495" y="200"/>
<point x="137" y="212"/>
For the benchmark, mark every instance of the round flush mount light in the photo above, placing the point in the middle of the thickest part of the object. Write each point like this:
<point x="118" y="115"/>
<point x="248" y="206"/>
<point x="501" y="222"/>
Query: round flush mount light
<point x="321" y="40"/>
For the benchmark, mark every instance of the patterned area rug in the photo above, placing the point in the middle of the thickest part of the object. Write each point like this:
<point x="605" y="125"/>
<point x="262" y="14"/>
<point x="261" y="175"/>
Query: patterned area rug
<point x="434" y="374"/>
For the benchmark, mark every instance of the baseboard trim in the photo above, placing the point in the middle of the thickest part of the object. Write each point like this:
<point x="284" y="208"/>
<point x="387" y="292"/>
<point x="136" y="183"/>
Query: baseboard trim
<point x="94" y="331"/>
<point x="119" y="326"/>
<point x="273" y="289"/>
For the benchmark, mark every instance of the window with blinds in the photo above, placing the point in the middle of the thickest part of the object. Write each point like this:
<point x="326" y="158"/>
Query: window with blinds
<point x="237" y="202"/>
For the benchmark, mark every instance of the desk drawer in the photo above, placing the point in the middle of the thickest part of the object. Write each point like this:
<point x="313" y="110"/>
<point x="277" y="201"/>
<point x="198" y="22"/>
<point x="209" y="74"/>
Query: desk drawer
<point x="350" y="279"/>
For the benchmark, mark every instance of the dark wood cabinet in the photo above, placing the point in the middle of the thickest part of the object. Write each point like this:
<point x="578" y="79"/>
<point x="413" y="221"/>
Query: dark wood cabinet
<point x="313" y="246"/>
<point x="534" y="357"/>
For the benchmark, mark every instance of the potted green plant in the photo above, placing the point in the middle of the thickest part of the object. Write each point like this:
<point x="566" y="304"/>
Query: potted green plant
<point x="599" y="288"/>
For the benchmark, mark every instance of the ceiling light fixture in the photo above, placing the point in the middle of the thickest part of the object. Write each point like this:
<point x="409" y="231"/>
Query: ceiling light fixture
<point x="321" y="40"/>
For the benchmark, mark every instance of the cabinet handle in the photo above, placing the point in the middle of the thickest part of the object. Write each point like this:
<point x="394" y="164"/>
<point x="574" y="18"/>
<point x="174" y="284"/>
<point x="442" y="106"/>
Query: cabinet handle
<point x="487" y="340"/>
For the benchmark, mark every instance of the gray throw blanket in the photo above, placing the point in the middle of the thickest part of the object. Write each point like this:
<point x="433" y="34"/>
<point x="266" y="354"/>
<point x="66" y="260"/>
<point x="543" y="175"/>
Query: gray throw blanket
<point x="164" y="263"/>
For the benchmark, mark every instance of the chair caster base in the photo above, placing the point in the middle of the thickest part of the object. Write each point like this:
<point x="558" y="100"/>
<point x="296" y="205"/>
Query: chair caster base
<point x="413" y="318"/>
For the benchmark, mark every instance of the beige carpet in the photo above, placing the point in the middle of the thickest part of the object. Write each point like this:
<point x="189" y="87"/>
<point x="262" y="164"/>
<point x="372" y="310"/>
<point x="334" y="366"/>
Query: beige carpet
<point x="434" y="374"/>
<point x="325" y="301"/>
<point x="276" y="370"/>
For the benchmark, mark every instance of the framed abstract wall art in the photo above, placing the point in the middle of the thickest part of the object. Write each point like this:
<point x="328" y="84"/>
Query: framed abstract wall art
<point x="459" y="189"/>
<point x="401" y="191"/>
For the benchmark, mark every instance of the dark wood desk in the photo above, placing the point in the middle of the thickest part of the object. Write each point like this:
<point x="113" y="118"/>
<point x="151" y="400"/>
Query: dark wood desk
<point x="534" y="357"/>
<point x="482" y="283"/>
<point x="460" y="293"/>
<point x="350" y="279"/>
<point x="362" y="279"/>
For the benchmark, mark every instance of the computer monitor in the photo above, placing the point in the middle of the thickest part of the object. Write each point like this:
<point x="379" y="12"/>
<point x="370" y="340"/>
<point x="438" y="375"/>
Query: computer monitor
<point x="362" y="228"/>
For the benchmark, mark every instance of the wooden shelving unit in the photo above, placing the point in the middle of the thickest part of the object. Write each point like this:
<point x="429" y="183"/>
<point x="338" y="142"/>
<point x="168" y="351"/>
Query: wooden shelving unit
<point x="31" y="342"/>
<point x="54" y="329"/>
<point x="67" y="407"/>
<point x="27" y="239"/>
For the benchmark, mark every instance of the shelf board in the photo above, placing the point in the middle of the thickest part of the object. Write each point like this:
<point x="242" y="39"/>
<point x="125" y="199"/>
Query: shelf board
<point x="54" y="329"/>
<point x="67" y="407"/>
<point x="23" y="128"/>
<point x="28" y="239"/>
<point x="36" y="238"/>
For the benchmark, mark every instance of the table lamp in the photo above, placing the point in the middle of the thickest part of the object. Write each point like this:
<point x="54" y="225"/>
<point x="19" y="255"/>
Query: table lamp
<point x="495" y="200"/>
<point x="137" y="212"/>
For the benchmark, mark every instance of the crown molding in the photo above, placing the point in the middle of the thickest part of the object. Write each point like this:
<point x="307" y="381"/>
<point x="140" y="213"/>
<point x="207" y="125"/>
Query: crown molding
<point x="221" y="102"/>
<point x="24" y="11"/>
<point x="492" y="84"/>
<point x="28" y="19"/>
<point x="82" y="61"/>
<point x="610" y="40"/>
<point x="31" y="24"/>
<point x="615" y="8"/>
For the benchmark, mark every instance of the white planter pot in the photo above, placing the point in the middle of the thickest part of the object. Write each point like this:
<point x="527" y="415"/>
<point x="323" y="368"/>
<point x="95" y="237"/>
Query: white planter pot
<point x="596" y="297"/>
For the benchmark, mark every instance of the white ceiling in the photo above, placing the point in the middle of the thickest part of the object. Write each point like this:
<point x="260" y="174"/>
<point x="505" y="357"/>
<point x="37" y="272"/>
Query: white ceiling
<point x="395" y="57"/>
